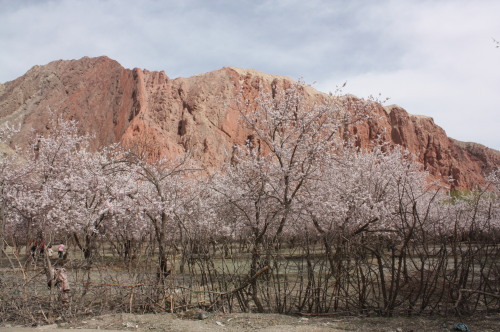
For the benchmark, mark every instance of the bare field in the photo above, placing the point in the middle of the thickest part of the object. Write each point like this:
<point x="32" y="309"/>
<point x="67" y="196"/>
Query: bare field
<point x="246" y="322"/>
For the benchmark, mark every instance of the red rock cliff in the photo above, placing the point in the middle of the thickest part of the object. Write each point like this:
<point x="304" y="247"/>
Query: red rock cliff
<point x="198" y="114"/>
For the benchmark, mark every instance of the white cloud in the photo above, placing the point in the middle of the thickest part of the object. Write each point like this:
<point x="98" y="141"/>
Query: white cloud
<point x="450" y="69"/>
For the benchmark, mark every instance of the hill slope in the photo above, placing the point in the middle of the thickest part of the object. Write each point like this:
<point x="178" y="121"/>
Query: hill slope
<point x="198" y="114"/>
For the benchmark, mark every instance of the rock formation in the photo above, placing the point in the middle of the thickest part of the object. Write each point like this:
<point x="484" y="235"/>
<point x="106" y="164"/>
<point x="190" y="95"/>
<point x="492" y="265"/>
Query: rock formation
<point x="199" y="114"/>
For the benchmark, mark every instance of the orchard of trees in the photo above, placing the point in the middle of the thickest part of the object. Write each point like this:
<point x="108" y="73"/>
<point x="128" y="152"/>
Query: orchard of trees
<point x="297" y="221"/>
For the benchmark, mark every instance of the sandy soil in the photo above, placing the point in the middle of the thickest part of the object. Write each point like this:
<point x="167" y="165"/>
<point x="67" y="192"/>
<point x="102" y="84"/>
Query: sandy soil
<point x="243" y="322"/>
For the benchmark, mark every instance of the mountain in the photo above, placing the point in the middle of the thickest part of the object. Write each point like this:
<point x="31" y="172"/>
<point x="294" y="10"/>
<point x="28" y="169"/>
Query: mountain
<point x="199" y="114"/>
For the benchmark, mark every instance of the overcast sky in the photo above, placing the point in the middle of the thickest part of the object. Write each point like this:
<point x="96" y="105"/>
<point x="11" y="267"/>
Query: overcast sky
<point x="435" y="58"/>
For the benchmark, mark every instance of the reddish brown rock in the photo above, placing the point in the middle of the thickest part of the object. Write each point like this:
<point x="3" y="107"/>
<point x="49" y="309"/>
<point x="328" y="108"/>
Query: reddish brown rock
<point x="199" y="114"/>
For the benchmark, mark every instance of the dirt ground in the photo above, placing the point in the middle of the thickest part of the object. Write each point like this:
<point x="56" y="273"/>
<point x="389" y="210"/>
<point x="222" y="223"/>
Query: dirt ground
<point x="244" y="322"/>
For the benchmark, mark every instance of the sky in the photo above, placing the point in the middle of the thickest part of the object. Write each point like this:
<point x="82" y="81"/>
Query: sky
<point x="436" y="58"/>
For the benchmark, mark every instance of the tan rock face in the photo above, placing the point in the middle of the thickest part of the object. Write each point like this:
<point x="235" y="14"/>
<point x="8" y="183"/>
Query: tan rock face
<point x="200" y="114"/>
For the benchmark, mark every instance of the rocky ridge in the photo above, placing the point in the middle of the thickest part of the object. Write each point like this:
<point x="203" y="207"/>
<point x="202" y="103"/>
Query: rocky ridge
<point x="199" y="114"/>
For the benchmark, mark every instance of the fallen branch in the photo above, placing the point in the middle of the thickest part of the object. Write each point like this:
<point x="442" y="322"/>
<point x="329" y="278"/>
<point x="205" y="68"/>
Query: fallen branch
<point x="241" y="287"/>
<point x="326" y="314"/>
<point x="110" y="285"/>
<point x="188" y="305"/>
<point x="248" y="282"/>
<point x="463" y="290"/>
<point x="201" y="291"/>
<point x="480" y="292"/>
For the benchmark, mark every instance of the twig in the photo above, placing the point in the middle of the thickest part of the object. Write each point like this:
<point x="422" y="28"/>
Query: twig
<point x="44" y="316"/>
<point x="131" y="300"/>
